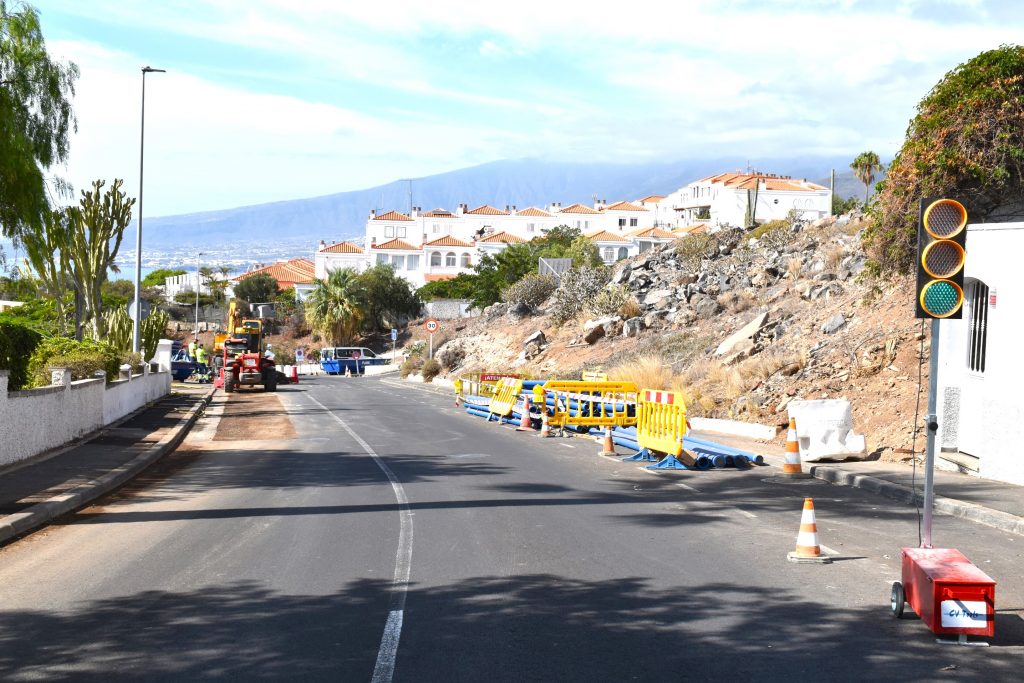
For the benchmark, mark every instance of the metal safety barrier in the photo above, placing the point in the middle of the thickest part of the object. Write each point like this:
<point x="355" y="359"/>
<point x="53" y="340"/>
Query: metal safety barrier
<point x="592" y="404"/>
<point x="506" y="394"/>
<point x="477" y="387"/>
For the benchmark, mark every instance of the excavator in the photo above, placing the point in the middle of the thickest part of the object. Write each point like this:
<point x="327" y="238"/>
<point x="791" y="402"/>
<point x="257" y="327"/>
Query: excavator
<point x="238" y="354"/>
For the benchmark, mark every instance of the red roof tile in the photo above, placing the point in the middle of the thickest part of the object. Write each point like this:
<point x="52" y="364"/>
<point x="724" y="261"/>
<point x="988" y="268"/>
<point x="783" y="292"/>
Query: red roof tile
<point x="447" y="241"/>
<point x="605" y="236"/>
<point x="535" y="212"/>
<point x="439" y="213"/>
<point x="392" y="216"/>
<point x="624" y="206"/>
<point x="395" y="244"/>
<point x="436" y="277"/>
<point x="655" y="233"/>
<point x="651" y="198"/>
<point x="342" y="248"/>
<point x="578" y="208"/>
<point x="296" y="271"/>
<point x="486" y="210"/>
<point x="503" y="238"/>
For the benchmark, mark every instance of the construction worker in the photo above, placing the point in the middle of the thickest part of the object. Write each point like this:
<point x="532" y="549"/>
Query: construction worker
<point x="202" y="371"/>
<point x="270" y="354"/>
<point x="192" y="348"/>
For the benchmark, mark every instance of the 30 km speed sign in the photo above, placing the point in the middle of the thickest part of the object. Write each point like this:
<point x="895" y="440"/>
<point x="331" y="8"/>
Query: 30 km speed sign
<point x="431" y="325"/>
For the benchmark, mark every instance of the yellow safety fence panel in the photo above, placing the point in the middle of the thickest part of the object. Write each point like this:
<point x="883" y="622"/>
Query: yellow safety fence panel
<point x="597" y="404"/>
<point x="477" y="384"/>
<point x="506" y="393"/>
<point x="661" y="421"/>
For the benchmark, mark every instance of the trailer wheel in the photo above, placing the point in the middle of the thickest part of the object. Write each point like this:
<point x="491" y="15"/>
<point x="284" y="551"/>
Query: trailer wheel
<point x="897" y="599"/>
<point x="229" y="383"/>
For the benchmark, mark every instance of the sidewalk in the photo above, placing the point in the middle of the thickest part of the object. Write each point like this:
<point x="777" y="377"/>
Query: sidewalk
<point x="985" y="501"/>
<point x="40" y="490"/>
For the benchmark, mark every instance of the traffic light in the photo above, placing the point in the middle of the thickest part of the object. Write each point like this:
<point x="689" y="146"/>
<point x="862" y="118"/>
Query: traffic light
<point x="941" y="236"/>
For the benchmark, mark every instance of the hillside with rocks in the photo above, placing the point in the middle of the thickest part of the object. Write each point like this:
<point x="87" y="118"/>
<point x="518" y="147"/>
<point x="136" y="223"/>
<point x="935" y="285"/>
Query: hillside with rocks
<point x="742" y="323"/>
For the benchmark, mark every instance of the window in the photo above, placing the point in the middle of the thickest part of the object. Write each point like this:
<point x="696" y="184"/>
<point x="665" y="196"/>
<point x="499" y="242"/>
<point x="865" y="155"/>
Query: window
<point x="530" y="227"/>
<point x="623" y="253"/>
<point x="412" y="262"/>
<point x="449" y="259"/>
<point x="609" y="254"/>
<point x="633" y="222"/>
<point x="622" y="222"/>
<point x="435" y="258"/>
<point x="389" y="231"/>
<point x="400" y="232"/>
<point x="437" y="228"/>
<point x="977" y="326"/>
<point x="398" y="261"/>
<point x="382" y="258"/>
<point x="465" y="260"/>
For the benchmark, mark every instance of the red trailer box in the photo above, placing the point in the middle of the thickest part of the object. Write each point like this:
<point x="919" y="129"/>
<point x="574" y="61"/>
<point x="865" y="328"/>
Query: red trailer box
<point x="947" y="591"/>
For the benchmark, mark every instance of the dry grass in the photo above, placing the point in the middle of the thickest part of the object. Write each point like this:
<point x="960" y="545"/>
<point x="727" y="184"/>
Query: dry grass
<point x="646" y="372"/>
<point x="630" y="308"/>
<point x="795" y="267"/>
<point x="737" y="301"/>
<point x="834" y="257"/>
<point x="764" y="365"/>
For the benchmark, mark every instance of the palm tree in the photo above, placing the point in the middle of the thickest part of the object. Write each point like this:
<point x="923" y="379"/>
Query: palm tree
<point x="334" y="307"/>
<point x="864" y="167"/>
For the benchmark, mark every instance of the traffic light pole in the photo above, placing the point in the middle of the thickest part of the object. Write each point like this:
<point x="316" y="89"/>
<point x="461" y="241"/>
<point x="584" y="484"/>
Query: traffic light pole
<point x="932" y="425"/>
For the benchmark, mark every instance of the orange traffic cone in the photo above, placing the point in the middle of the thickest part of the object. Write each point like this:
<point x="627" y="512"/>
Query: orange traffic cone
<point x="807" y="548"/>
<point x="525" y="424"/>
<point x="791" y="468"/>
<point x="545" y="430"/>
<point x="295" y="374"/>
<point x="607" y="446"/>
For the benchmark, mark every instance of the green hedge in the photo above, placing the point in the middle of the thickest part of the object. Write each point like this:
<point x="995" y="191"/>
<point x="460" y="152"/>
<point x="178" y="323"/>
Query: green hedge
<point x="17" y="343"/>
<point x="84" y="358"/>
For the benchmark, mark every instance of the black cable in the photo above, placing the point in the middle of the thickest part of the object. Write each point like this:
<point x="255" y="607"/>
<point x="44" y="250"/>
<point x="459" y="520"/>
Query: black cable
<point x="913" y="440"/>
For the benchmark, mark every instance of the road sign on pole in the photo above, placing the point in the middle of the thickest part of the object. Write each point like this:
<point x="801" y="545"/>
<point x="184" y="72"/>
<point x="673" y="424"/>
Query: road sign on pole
<point x="144" y="311"/>
<point x="431" y="325"/>
<point x="394" y="334"/>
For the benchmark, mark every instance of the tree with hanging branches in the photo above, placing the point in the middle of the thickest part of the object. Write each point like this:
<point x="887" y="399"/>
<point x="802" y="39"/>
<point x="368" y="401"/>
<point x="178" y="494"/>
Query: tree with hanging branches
<point x="46" y="249"/>
<point x="36" y="119"/>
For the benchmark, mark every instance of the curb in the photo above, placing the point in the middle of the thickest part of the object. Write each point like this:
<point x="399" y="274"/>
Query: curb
<point x="40" y="514"/>
<point x="996" y="519"/>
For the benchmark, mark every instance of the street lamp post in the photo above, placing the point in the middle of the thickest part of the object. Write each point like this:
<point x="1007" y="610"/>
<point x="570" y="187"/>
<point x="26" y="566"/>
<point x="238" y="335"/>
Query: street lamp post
<point x="199" y="284"/>
<point x="137" y="318"/>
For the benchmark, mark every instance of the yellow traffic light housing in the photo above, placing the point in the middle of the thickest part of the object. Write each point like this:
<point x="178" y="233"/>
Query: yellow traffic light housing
<point x="941" y="255"/>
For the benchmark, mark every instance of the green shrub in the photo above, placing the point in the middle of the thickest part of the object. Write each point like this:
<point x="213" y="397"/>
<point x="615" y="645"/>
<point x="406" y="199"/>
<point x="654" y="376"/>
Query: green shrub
<point x="692" y="249"/>
<point x="84" y="359"/>
<point x="773" y="234"/>
<point x="410" y="366"/>
<point x="533" y="290"/>
<point x="579" y="288"/>
<point x="610" y="300"/>
<point x="17" y="342"/>
<point x="430" y="370"/>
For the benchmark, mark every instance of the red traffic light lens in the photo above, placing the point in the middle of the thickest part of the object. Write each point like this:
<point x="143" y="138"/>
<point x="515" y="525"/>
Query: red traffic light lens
<point x="945" y="218"/>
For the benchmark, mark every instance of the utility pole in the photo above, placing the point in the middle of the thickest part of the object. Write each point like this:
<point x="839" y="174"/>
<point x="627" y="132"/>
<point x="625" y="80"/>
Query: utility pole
<point x="409" y="180"/>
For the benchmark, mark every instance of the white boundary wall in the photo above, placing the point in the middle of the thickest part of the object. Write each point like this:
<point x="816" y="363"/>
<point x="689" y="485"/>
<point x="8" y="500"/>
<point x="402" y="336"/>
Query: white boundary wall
<point x="33" y="421"/>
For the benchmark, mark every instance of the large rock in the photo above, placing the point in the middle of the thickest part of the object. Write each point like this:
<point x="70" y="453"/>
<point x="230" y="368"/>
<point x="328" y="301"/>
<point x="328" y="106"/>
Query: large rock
<point x="656" y="296"/>
<point x="537" y="337"/>
<point x="633" y="327"/>
<point x="746" y="332"/>
<point x="593" y="334"/>
<point x="532" y="350"/>
<point x="622" y="275"/>
<point x="834" y="324"/>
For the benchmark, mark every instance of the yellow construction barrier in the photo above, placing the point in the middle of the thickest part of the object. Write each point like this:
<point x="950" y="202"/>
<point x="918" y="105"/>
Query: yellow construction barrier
<point x="594" y="376"/>
<point x="661" y="421"/>
<point x="593" y="404"/>
<point x="477" y="384"/>
<point x="506" y="394"/>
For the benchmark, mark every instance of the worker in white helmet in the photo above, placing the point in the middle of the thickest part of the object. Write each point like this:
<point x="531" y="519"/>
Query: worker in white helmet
<point x="269" y="354"/>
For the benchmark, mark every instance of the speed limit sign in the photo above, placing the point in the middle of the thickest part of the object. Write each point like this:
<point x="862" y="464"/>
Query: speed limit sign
<point x="430" y="325"/>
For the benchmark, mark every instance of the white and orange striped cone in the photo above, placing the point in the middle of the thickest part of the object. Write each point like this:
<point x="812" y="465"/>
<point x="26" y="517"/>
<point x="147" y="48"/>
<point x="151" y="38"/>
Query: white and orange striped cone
<point x="545" y="429"/>
<point x="525" y="424"/>
<point x="807" y="548"/>
<point x="791" y="468"/>
<point x="348" y="371"/>
<point x="607" y="445"/>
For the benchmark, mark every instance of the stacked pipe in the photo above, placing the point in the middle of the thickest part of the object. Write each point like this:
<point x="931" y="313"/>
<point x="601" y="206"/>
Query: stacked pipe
<point x="706" y="452"/>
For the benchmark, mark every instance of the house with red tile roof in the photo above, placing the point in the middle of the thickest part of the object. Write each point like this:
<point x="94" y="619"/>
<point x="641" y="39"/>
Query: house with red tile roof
<point x="747" y="199"/>
<point x="338" y="256"/>
<point x="297" y="272"/>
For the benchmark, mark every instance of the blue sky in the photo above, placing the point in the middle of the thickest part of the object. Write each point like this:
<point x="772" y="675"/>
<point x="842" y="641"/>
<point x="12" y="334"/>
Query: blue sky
<point x="265" y="100"/>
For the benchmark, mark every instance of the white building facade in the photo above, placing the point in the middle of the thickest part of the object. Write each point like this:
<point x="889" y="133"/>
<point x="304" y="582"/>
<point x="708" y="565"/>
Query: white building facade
<point x="981" y="415"/>
<point x="745" y="199"/>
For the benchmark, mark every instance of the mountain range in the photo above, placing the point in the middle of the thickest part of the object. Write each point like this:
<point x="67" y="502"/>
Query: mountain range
<point x="521" y="182"/>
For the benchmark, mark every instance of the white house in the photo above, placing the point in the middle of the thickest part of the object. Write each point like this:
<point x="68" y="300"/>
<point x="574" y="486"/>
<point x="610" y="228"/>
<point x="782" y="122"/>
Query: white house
<point x="981" y="415"/>
<point x="736" y="199"/>
<point x="338" y="256"/>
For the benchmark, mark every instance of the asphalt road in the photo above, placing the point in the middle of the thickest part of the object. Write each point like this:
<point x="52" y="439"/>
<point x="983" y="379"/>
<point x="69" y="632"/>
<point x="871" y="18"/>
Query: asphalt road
<point x="361" y="529"/>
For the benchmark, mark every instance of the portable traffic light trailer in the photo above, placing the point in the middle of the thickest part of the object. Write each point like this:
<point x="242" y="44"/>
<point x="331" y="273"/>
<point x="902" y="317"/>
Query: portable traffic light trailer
<point x="951" y="595"/>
